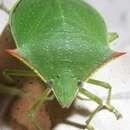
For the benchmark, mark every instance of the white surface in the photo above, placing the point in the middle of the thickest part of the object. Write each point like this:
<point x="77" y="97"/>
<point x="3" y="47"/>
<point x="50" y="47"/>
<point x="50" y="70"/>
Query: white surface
<point x="117" y="73"/>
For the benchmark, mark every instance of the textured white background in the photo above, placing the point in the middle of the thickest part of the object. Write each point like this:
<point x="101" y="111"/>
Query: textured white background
<point x="117" y="73"/>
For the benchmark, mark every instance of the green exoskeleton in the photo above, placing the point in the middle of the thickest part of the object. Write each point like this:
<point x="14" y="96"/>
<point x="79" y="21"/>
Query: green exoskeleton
<point x="63" y="42"/>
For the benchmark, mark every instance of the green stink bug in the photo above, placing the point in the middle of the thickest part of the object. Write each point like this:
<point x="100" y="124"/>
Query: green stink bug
<point x="64" y="42"/>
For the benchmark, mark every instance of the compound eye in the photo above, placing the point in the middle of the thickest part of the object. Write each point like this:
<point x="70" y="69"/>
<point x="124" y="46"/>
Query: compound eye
<point x="80" y="83"/>
<point x="50" y="83"/>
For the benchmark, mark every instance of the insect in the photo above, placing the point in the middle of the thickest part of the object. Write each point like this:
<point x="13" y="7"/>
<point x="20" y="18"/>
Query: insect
<point x="63" y="42"/>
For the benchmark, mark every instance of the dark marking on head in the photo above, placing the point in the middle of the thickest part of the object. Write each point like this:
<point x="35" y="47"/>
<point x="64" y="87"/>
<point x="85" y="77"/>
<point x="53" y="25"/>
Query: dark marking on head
<point x="58" y="76"/>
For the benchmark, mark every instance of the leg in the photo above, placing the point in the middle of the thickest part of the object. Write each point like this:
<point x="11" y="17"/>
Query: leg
<point x="100" y="102"/>
<point x="36" y="105"/>
<point x="2" y="6"/>
<point x="11" y="90"/>
<point x="102" y="105"/>
<point x="104" y="85"/>
<point x="112" y="36"/>
<point x="8" y="73"/>
<point x="98" y="109"/>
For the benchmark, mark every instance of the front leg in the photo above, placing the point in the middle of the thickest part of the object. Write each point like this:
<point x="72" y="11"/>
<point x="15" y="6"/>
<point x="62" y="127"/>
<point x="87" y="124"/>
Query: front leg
<point x="104" y="85"/>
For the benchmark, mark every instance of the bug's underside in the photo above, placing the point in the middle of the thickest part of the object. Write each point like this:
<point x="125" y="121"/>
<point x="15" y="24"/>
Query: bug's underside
<point x="63" y="40"/>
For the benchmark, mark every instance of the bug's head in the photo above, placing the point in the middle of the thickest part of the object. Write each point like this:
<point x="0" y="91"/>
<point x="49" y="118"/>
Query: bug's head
<point x="65" y="87"/>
